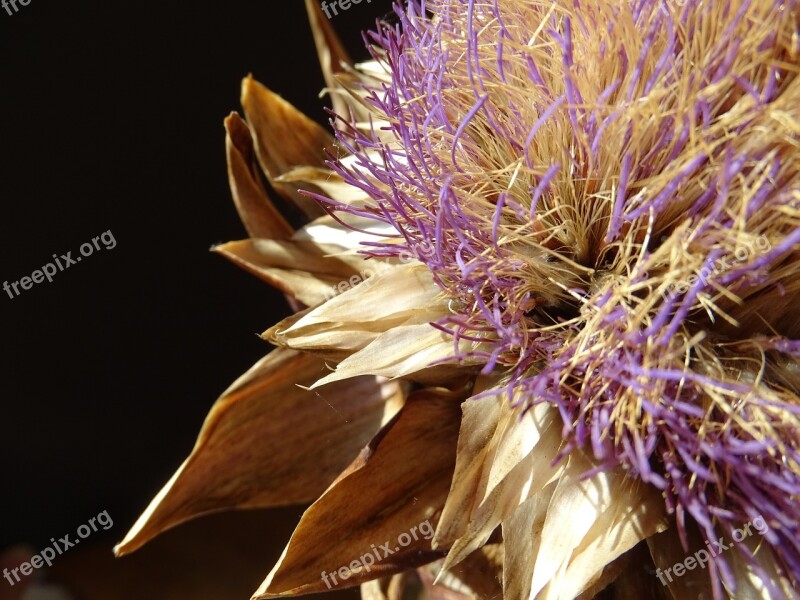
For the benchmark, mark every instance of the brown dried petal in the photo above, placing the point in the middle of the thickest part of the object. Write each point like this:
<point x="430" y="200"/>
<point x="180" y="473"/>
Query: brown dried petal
<point x="284" y="139"/>
<point x="333" y="58"/>
<point x="268" y="442"/>
<point x="499" y="472"/>
<point x="303" y="270"/>
<point x="397" y="483"/>
<point x="258" y="214"/>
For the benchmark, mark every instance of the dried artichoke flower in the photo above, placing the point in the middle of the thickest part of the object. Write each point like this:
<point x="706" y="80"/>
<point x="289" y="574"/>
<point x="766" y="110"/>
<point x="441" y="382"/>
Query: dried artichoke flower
<point x="556" y="272"/>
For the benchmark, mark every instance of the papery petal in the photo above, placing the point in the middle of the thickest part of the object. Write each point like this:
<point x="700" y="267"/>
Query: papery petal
<point x="399" y="481"/>
<point x="635" y="513"/>
<point x="522" y="542"/>
<point x="284" y="139"/>
<point x="329" y="231"/>
<point x="479" y="424"/>
<point x="575" y="508"/>
<point x="389" y="298"/>
<point x="259" y="444"/>
<point x="258" y="214"/>
<point x="499" y="474"/>
<point x="381" y="303"/>
<point x="303" y="270"/>
<point x="403" y="351"/>
<point x="331" y="183"/>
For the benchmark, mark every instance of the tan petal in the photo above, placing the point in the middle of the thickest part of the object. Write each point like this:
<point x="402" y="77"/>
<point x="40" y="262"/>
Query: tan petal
<point x="500" y="473"/>
<point x="342" y="238"/>
<point x="399" y="482"/>
<point x="334" y="344"/>
<point x="636" y="513"/>
<point x="563" y="540"/>
<point x="476" y="440"/>
<point x="333" y="58"/>
<point x="303" y="270"/>
<point x="390" y="305"/>
<point x="389" y="298"/>
<point x="522" y="539"/>
<point x="258" y="214"/>
<point x="403" y="351"/>
<point x="575" y="507"/>
<point x="329" y="231"/>
<point x="284" y="138"/>
<point x="259" y="445"/>
<point x="329" y="182"/>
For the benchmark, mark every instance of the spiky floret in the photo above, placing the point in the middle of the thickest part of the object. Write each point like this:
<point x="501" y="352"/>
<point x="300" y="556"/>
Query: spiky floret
<point x="609" y="193"/>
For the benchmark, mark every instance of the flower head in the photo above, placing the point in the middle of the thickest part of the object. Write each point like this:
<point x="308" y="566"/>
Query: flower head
<point x="607" y="193"/>
<point x="582" y="224"/>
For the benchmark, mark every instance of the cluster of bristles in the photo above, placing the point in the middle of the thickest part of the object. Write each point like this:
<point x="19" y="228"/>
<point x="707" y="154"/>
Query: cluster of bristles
<point x="609" y="193"/>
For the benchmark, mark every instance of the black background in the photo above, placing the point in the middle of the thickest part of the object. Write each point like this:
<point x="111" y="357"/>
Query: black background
<point x="111" y="119"/>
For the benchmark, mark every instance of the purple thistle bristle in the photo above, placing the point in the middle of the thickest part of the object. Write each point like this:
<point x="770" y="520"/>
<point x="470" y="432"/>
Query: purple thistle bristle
<point x="609" y="194"/>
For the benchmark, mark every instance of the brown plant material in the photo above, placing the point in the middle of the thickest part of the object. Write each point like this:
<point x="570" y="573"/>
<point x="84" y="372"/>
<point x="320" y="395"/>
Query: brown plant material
<point x="398" y="481"/>
<point x="259" y="446"/>
<point x="519" y="513"/>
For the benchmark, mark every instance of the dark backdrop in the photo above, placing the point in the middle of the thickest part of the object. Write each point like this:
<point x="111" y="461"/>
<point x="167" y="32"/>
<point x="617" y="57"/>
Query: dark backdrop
<point x="111" y="119"/>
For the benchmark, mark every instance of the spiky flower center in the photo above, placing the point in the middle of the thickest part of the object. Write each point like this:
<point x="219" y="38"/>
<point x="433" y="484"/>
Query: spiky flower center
<point x="609" y="193"/>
